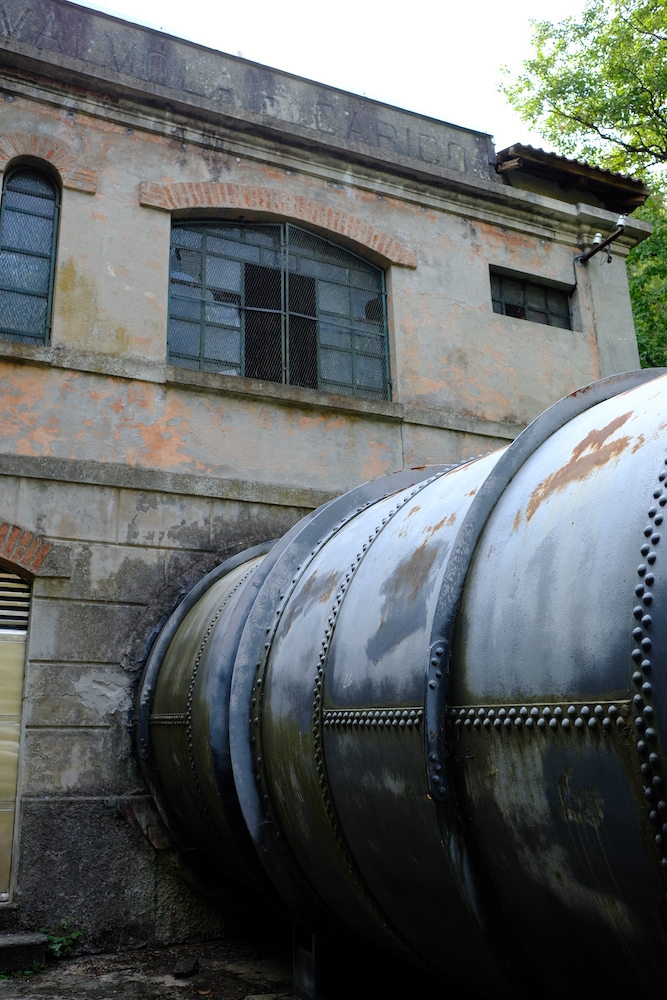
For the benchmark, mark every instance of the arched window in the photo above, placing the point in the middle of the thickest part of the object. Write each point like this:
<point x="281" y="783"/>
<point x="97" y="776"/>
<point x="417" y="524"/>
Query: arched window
<point x="277" y="303"/>
<point x="28" y="230"/>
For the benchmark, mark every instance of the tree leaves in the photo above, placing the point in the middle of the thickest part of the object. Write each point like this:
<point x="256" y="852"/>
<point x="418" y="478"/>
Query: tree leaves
<point x="647" y="275"/>
<point x="596" y="89"/>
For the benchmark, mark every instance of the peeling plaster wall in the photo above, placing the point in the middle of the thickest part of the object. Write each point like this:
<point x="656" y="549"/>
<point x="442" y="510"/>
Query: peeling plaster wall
<point x="88" y="417"/>
<point x="451" y="350"/>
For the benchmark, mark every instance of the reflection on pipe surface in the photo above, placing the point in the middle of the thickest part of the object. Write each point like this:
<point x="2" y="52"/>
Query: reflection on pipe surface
<point x="432" y="714"/>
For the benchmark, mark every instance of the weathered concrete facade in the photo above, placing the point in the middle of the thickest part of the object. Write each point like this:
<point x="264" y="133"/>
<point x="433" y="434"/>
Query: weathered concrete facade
<point x="143" y="476"/>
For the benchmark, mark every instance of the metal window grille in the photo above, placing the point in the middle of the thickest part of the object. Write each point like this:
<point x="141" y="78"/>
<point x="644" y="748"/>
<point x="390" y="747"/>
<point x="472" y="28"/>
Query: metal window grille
<point x="14" y="602"/>
<point x="28" y="229"/>
<point x="524" y="300"/>
<point x="277" y="303"/>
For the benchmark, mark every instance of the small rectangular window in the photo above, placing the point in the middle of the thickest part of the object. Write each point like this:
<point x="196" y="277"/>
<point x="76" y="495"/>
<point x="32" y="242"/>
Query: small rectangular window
<point x="527" y="300"/>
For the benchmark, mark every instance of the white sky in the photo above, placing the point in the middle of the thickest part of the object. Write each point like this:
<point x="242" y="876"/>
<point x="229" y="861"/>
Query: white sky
<point x="434" y="56"/>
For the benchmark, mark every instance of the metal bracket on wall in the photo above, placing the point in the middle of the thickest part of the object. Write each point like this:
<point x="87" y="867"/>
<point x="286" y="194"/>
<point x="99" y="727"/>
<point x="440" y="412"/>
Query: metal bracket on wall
<point x="598" y="244"/>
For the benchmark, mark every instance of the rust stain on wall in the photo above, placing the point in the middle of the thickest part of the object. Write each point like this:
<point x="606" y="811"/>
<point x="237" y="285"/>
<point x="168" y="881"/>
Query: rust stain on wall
<point x="76" y="301"/>
<point x="377" y="462"/>
<point x="165" y="439"/>
<point x="321" y="422"/>
<point x="591" y="453"/>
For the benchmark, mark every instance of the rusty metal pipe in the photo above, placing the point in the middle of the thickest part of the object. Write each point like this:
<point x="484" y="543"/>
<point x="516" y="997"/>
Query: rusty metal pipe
<point x="434" y="714"/>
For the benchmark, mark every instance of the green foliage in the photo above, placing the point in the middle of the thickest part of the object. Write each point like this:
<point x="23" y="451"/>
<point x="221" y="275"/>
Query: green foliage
<point x="647" y="275"/>
<point x="60" y="944"/>
<point x="597" y="86"/>
<point x="35" y="970"/>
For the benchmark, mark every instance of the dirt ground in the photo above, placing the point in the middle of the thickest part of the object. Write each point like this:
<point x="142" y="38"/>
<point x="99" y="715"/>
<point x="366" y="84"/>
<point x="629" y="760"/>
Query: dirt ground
<point x="227" y="971"/>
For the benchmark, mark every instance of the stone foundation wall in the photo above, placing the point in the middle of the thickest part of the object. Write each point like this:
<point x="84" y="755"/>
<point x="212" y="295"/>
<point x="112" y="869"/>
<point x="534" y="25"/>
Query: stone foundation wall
<point x="90" y="846"/>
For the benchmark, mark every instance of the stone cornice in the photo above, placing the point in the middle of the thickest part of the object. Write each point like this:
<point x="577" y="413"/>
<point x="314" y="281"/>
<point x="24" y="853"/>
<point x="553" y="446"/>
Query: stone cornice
<point x="105" y="55"/>
<point x="498" y="204"/>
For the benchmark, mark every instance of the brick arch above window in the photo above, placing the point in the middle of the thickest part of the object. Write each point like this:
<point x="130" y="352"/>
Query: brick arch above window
<point x="22" y="548"/>
<point x="44" y="147"/>
<point x="272" y="201"/>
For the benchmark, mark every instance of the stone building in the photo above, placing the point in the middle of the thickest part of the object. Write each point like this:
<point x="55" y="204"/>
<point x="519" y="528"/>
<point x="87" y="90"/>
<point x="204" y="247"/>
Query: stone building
<point x="227" y="295"/>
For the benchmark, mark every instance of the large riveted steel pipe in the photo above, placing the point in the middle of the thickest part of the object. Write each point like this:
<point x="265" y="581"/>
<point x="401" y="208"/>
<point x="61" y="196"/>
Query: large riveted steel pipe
<point x="435" y="712"/>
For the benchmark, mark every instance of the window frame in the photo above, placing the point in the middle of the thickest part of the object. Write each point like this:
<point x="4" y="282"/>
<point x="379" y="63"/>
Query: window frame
<point x="526" y="281"/>
<point x="284" y="227"/>
<point x="17" y="336"/>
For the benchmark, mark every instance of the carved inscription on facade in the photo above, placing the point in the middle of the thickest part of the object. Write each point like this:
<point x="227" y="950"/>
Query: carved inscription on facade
<point x="122" y="53"/>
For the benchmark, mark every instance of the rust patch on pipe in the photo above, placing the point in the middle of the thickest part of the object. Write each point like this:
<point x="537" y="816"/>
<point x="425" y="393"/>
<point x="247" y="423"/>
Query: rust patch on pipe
<point x="410" y="575"/>
<point x="431" y="529"/>
<point x="591" y="453"/>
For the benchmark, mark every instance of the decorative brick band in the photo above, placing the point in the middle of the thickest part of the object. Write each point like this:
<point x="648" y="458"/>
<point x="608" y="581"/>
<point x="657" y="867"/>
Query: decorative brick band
<point x="22" y="547"/>
<point x="43" y="147"/>
<point x="176" y="197"/>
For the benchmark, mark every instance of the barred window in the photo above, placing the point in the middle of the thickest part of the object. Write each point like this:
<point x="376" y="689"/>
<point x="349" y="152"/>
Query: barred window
<point x="28" y="230"/>
<point x="277" y="303"/>
<point x="525" y="300"/>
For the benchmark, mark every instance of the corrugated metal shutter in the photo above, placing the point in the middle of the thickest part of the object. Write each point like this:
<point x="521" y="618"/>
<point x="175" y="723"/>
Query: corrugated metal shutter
<point x="14" y="602"/>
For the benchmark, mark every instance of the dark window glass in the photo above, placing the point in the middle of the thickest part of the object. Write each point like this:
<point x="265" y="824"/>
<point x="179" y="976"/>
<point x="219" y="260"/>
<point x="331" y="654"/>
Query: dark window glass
<point x="28" y="232"/>
<point x="277" y="303"/>
<point x="524" y="300"/>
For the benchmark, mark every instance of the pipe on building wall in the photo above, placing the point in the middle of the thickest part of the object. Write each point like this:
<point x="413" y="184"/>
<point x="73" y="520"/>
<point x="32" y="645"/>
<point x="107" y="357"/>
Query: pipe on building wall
<point x="434" y="713"/>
